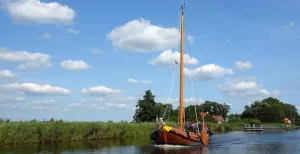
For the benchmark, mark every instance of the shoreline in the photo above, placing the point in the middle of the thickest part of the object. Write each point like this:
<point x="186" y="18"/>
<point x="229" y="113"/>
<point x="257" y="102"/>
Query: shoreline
<point x="20" y="133"/>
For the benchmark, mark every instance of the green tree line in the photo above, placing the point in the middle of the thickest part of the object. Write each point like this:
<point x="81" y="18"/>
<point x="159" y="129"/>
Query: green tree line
<point x="269" y="110"/>
<point x="147" y="109"/>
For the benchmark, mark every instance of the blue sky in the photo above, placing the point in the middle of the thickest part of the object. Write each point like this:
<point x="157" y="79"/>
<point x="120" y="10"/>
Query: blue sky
<point x="78" y="60"/>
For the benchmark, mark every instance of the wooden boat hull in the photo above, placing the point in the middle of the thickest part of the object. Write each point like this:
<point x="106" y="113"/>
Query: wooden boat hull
<point x="176" y="136"/>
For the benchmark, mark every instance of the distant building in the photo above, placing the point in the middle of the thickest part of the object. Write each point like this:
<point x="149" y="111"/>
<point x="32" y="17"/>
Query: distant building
<point x="219" y="119"/>
<point x="203" y="114"/>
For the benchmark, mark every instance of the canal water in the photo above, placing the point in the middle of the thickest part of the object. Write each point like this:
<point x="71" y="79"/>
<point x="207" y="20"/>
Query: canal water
<point x="226" y="143"/>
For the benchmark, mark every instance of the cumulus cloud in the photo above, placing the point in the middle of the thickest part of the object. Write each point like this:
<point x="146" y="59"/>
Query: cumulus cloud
<point x="74" y="65"/>
<point x="32" y="88"/>
<point x="28" y="60"/>
<point x="37" y="12"/>
<point x="140" y="35"/>
<point x="73" y="31"/>
<point x="100" y="91"/>
<point x="245" y="87"/>
<point x="130" y="80"/>
<point x="243" y="65"/>
<point x="167" y="58"/>
<point x="6" y="74"/>
<point x="208" y="72"/>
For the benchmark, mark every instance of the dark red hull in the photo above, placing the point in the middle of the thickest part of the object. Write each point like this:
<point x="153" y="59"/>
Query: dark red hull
<point x="178" y="137"/>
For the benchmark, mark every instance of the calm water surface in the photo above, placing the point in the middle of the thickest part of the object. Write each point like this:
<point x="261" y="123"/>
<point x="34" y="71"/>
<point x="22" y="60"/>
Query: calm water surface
<point x="228" y="143"/>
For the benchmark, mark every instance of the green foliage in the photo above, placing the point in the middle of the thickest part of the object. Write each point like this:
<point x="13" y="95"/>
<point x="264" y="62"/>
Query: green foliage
<point x="225" y="127"/>
<point x="4" y="120"/>
<point x="147" y="109"/>
<point x="270" y="110"/>
<point x="214" y="108"/>
<point x="16" y="133"/>
<point x="234" y="117"/>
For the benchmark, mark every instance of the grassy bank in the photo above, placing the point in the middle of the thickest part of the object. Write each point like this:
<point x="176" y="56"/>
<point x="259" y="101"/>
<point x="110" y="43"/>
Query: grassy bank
<point x="16" y="133"/>
<point x="45" y="132"/>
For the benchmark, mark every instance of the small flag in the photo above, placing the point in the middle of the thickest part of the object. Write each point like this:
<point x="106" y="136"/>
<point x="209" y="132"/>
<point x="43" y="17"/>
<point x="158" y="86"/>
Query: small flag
<point x="176" y="62"/>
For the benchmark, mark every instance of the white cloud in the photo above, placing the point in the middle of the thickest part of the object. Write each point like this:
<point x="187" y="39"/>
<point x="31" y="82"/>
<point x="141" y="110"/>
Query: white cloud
<point x="49" y="101"/>
<point x="28" y="60"/>
<point x="46" y="35"/>
<point x="289" y="25"/>
<point x="6" y="74"/>
<point x="167" y="58"/>
<point x="37" y="12"/>
<point x="140" y="35"/>
<point x="208" y="72"/>
<point x="243" y="65"/>
<point x="100" y="91"/>
<point x="32" y="88"/>
<point x="74" y="65"/>
<point x="114" y="99"/>
<point x="34" y="105"/>
<point x="20" y="99"/>
<point x="245" y="88"/>
<point x="42" y="105"/>
<point x="88" y="106"/>
<point x="73" y="31"/>
<point x="96" y="51"/>
<point x="130" y="80"/>
<point x="39" y="107"/>
<point x="6" y="99"/>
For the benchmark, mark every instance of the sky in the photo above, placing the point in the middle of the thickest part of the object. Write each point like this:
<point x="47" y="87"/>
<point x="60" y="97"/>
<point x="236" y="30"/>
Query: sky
<point x="92" y="61"/>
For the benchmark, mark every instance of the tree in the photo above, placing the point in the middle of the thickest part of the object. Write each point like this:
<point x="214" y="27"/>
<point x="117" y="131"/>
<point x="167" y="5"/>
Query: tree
<point x="270" y="110"/>
<point x="290" y="112"/>
<point x="146" y="108"/>
<point x="214" y="108"/>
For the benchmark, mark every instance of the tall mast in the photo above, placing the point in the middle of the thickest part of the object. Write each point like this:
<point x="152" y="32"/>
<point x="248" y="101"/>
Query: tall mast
<point x="181" y="125"/>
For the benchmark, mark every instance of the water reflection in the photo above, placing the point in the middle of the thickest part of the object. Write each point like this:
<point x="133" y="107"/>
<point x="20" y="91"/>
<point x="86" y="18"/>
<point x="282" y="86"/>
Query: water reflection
<point x="231" y="143"/>
<point x="189" y="150"/>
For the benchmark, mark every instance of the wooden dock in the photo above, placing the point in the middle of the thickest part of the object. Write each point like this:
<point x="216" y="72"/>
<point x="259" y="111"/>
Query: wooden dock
<point x="248" y="127"/>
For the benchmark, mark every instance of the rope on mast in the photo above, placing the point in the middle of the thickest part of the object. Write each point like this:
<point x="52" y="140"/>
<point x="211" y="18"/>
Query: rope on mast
<point x="171" y="89"/>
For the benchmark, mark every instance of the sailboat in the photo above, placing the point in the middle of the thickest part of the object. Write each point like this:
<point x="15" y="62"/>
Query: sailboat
<point x="180" y="136"/>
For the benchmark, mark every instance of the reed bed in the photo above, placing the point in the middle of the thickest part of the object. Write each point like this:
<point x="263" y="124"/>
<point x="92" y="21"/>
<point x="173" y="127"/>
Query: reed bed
<point x="17" y="133"/>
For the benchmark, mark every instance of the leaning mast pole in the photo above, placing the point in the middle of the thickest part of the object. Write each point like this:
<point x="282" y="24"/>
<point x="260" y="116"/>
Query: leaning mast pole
<point x="181" y="125"/>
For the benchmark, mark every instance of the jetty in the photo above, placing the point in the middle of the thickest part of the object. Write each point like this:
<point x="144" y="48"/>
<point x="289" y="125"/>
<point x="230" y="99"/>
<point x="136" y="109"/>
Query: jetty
<point x="254" y="127"/>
